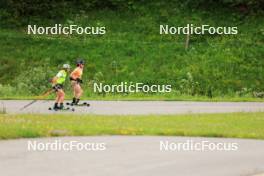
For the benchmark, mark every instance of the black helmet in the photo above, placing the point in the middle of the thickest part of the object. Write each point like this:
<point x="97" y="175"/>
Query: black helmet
<point x="80" y="61"/>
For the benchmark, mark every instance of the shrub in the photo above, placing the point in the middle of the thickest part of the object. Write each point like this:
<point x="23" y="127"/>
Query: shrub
<point x="35" y="81"/>
<point x="7" y="91"/>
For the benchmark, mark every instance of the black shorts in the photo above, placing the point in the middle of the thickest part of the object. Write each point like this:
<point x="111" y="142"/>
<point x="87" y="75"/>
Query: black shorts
<point x="57" y="87"/>
<point x="79" y="81"/>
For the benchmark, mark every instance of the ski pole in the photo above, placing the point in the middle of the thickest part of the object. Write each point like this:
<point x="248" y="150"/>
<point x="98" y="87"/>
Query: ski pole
<point x="38" y="98"/>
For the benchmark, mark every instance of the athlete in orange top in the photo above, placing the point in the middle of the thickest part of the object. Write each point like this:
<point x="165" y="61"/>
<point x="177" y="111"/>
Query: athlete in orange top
<point x="76" y="80"/>
<point x="77" y="73"/>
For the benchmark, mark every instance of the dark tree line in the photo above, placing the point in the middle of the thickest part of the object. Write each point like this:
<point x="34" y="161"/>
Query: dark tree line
<point x="51" y="8"/>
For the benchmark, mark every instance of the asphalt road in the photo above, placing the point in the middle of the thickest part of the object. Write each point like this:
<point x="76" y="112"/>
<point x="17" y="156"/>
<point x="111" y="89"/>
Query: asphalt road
<point x="137" y="107"/>
<point x="130" y="156"/>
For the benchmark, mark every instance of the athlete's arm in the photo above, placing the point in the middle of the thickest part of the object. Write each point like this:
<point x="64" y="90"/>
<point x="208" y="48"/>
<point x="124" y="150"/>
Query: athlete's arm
<point x="54" y="80"/>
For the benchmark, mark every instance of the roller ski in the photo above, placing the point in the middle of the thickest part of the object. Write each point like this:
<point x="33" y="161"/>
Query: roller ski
<point x="61" y="108"/>
<point x="85" y="104"/>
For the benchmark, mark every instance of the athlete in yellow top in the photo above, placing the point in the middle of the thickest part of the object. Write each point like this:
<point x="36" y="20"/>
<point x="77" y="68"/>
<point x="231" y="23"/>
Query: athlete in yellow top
<point x="57" y="84"/>
<point x="76" y="80"/>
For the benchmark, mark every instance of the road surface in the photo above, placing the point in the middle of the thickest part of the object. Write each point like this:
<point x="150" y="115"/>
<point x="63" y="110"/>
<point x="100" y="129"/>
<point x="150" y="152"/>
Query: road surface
<point x="130" y="156"/>
<point x="137" y="107"/>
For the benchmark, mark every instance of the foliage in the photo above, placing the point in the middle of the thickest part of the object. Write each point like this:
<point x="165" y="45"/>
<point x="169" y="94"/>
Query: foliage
<point x="7" y="91"/>
<point x="35" y="80"/>
<point x="133" y="51"/>
<point x="50" y="9"/>
<point x="57" y="9"/>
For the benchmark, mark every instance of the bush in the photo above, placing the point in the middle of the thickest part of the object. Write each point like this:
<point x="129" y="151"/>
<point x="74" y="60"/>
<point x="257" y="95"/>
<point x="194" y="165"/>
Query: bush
<point x="242" y="5"/>
<point x="8" y="91"/>
<point x="35" y="81"/>
<point x="57" y="9"/>
<point x="60" y="8"/>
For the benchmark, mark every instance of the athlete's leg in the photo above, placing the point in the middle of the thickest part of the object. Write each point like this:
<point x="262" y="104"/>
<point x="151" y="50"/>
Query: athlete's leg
<point x="78" y="91"/>
<point x="61" y="98"/>
<point x="57" y="97"/>
<point x="73" y="84"/>
<point x="56" y="101"/>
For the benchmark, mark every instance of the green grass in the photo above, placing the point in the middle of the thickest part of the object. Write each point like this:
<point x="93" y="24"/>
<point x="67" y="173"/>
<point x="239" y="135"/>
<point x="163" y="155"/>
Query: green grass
<point x="234" y="125"/>
<point x="134" y="51"/>
<point x="145" y="97"/>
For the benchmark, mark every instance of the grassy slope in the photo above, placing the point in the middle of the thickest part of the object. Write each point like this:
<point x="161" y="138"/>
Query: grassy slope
<point x="236" y="125"/>
<point x="133" y="50"/>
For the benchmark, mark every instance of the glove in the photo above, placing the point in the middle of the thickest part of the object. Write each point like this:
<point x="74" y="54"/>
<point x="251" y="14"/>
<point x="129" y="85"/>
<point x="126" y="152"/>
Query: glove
<point x="79" y="80"/>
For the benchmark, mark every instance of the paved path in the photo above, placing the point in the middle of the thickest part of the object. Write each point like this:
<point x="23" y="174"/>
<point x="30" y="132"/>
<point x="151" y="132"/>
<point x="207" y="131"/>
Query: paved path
<point x="139" y="107"/>
<point x="131" y="156"/>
